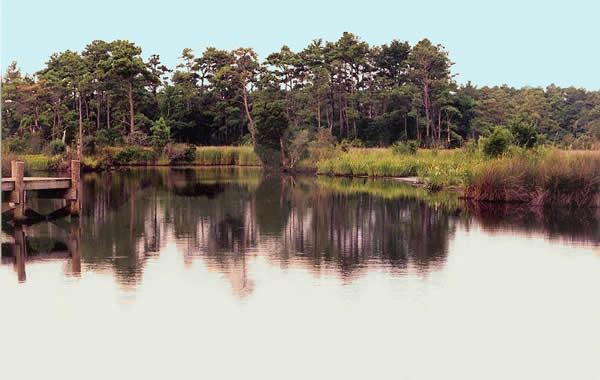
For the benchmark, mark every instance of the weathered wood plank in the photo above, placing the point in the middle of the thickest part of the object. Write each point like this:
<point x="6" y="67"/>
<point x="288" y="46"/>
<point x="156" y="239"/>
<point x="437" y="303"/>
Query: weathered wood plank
<point x="48" y="184"/>
<point x="8" y="184"/>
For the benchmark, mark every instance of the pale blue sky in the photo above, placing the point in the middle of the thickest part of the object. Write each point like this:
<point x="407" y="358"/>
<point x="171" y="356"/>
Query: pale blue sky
<point x="519" y="43"/>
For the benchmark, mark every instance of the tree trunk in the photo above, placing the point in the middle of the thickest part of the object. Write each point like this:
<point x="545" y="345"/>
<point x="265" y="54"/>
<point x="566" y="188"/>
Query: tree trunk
<point x="440" y="125"/>
<point x="427" y="109"/>
<point x="80" y="142"/>
<point x="131" y="113"/>
<point x="341" y="113"/>
<point x="318" y="112"/>
<point x="107" y="111"/>
<point x="283" y="160"/>
<point x="448" y="129"/>
<point x="99" y="99"/>
<point x="251" y="127"/>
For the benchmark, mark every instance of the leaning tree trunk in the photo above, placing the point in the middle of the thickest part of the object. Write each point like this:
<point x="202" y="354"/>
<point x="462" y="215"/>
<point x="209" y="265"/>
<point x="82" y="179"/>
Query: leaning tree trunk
<point x="80" y="143"/>
<point x="251" y="127"/>
<point x="131" y="114"/>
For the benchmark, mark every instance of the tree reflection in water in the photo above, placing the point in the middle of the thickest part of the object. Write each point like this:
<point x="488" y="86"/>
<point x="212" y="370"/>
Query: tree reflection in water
<point x="226" y="216"/>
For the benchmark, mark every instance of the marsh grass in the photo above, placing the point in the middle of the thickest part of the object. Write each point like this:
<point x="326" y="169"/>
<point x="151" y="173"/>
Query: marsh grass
<point x="226" y="155"/>
<point x="542" y="177"/>
<point x="434" y="168"/>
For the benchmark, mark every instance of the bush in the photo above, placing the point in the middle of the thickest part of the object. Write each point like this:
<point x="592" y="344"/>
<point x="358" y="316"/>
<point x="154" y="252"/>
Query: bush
<point x="161" y="134"/>
<point x="181" y="153"/>
<point x="89" y="145"/>
<point x="16" y="144"/>
<point x="322" y="147"/>
<point x="133" y="155"/>
<point x="138" y="138"/>
<point x="408" y="147"/>
<point x="107" y="137"/>
<point x="525" y="135"/>
<point x="498" y="142"/>
<point x="57" y="146"/>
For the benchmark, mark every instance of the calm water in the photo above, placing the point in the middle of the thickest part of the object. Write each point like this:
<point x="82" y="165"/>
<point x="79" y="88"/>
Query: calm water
<point x="198" y="273"/>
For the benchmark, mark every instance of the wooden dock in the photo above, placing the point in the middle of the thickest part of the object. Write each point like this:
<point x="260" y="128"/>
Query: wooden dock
<point x="16" y="188"/>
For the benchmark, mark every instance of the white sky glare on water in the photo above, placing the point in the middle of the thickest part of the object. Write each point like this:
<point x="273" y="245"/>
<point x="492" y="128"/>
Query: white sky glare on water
<point x="520" y="43"/>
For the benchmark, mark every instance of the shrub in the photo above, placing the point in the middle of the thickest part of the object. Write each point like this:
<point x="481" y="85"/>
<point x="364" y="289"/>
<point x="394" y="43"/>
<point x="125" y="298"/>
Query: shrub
<point x="89" y="144"/>
<point x="107" y="137"/>
<point x="181" y="153"/>
<point x="16" y="144"/>
<point x="322" y="147"/>
<point x="525" y="135"/>
<point x="138" y="138"/>
<point x="161" y="134"/>
<point x="57" y="146"/>
<point x="133" y="155"/>
<point x="498" y="142"/>
<point x="408" y="147"/>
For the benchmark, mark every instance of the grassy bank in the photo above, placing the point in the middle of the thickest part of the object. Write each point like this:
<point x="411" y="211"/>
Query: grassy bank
<point x="34" y="162"/>
<point x="443" y="168"/>
<point x="542" y="176"/>
<point x="107" y="157"/>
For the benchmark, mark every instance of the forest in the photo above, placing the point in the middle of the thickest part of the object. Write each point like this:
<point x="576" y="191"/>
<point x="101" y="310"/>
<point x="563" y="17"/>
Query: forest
<point x="365" y="95"/>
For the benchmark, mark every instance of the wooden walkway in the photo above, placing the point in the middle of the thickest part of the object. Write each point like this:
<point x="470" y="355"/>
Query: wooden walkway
<point x="15" y="189"/>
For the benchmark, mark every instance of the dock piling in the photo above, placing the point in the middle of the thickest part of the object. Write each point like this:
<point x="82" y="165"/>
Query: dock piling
<point x="75" y="187"/>
<point x="18" y="195"/>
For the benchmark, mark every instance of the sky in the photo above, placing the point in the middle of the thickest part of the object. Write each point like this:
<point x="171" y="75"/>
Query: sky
<point x="519" y="43"/>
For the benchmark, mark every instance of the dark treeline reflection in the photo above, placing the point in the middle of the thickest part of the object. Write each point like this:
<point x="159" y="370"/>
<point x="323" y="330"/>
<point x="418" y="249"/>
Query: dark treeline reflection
<point x="227" y="214"/>
<point x="224" y="216"/>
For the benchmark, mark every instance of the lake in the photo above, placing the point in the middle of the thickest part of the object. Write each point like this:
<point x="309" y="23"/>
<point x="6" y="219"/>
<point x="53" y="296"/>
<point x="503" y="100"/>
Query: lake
<point x="225" y="272"/>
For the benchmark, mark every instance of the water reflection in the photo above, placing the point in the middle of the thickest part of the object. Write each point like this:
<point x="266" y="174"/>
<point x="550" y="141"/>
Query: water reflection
<point x="24" y="244"/>
<point x="226" y="215"/>
<point x="372" y="279"/>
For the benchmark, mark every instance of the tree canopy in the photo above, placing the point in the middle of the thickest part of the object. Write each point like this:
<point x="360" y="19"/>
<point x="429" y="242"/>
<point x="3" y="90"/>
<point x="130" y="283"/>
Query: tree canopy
<point x="374" y="95"/>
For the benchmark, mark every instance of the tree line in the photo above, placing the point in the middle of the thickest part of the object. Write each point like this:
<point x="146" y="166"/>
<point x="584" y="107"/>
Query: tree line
<point x="370" y="95"/>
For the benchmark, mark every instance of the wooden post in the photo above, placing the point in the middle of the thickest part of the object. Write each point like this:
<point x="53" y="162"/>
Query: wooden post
<point x="75" y="240"/>
<point x="75" y="187"/>
<point x="20" y="252"/>
<point x="18" y="196"/>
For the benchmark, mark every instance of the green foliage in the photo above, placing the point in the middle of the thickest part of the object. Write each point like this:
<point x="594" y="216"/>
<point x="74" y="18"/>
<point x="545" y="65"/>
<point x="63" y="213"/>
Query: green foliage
<point x="57" y="147"/>
<point x="525" y="135"/>
<point x="404" y="93"/>
<point x="297" y="147"/>
<point x="161" y="134"/>
<point x="89" y="144"/>
<point x="498" y="142"/>
<point x="408" y="147"/>
<point x="437" y="170"/>
<point x="271" y="125"/>
<point x="322" y="146"/>
<point x="226" y="155"/>
<point x="105" y="137"/>
<point x="16" y="144"/>
<point x="133" y="155"/>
